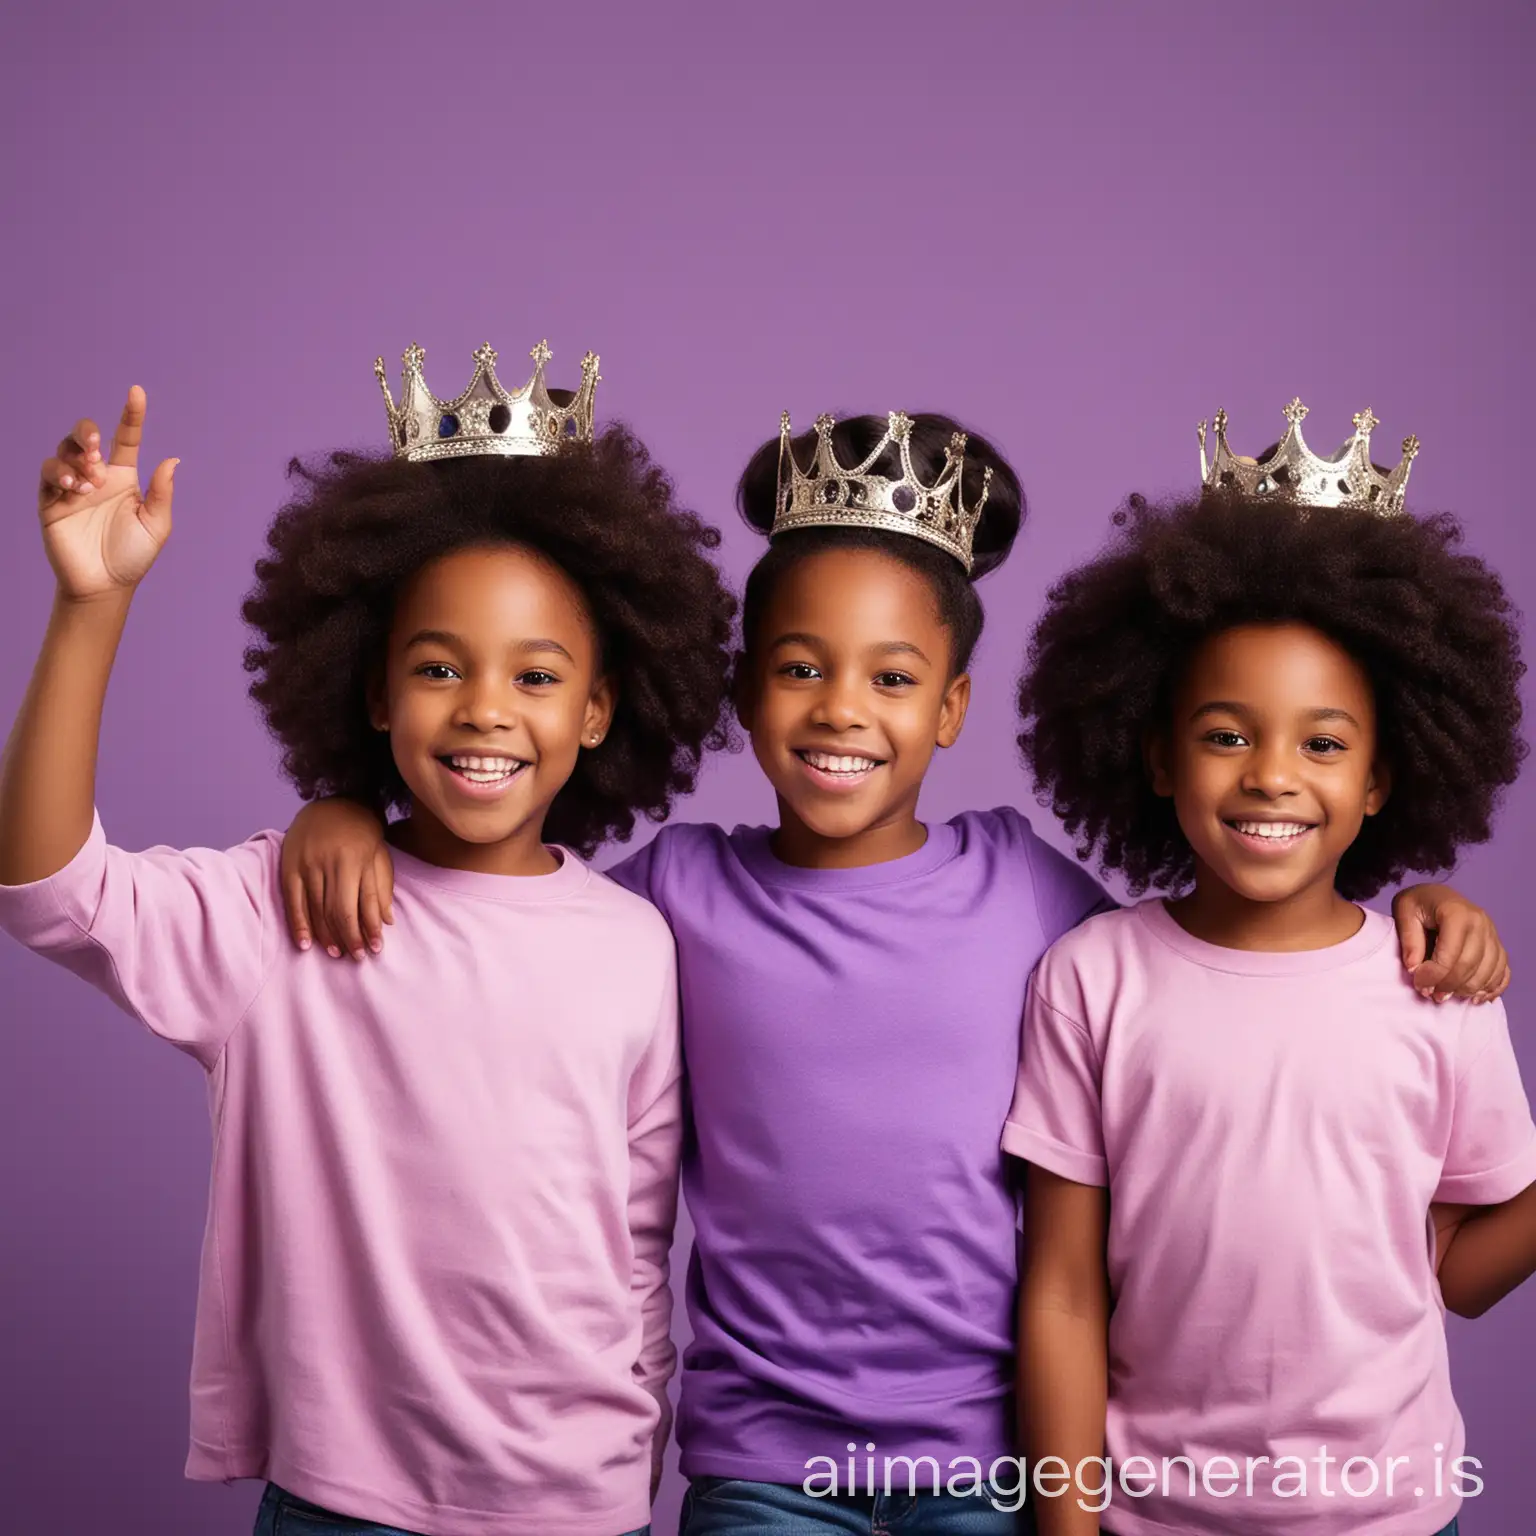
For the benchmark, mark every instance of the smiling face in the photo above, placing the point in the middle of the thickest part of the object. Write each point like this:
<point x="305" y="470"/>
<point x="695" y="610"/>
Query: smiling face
<point x="848" y="694"/>
<point x="491" y="687"/>
<point x="1271" y="760"/>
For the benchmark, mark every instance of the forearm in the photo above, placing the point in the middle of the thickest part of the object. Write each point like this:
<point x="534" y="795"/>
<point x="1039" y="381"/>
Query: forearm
<point x="658" y="1355"/>
<point x="48" y="772"/>
<point x="1491" y="1251"/>
<point x="655" y="1151"/>
<point x="1063" y="1388"/>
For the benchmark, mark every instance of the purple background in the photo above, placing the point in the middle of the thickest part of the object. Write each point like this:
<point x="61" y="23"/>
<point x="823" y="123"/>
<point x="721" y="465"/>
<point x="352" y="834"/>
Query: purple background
<point x="1078" y="228"/>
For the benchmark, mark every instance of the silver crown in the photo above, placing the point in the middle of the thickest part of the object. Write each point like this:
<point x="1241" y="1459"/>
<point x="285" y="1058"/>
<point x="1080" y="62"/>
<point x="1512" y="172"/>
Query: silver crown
<point x="830" y="495"/>
<point x="487" y="418"/>
<point x="1348" y="479"/>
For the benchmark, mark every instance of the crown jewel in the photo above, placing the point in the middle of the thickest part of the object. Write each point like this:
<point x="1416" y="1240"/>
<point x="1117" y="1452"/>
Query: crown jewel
<point x="487" y="418"/>
<point x="1347" y="479"/>
<point x="830" y="495"/>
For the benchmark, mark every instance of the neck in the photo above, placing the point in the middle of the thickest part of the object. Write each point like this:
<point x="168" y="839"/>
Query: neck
<point x="893" y="837"/>
<point x="523" y="853"/>
<point x="1314" y="917"/>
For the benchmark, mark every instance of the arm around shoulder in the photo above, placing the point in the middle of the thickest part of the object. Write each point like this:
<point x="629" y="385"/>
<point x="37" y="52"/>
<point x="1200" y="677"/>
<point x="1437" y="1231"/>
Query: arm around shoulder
<point x="338" y="878"/>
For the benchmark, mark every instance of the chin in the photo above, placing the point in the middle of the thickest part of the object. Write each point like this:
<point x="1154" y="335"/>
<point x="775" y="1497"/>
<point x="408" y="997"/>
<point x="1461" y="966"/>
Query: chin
<point x="835" y="821"/>
<point x="491" y="826"/>
<point x="1271" y="886"/>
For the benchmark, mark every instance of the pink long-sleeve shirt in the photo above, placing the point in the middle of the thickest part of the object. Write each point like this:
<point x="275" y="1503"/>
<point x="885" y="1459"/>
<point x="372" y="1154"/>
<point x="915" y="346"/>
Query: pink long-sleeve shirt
<point x="434" y="1275"/>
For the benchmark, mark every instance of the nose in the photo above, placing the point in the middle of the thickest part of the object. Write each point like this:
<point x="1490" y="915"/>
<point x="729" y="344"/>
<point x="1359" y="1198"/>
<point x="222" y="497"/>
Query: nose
<point x="1270" y="771"/>
<point x="839" y="705"/>
<point x="486" y="704"/>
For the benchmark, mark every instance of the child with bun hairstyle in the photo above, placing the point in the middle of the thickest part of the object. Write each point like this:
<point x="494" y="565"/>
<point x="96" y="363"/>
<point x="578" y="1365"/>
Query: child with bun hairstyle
<point x="852" y="981"/>
<point x="434" y="1291"/>
<point x="1262" y="1167"/>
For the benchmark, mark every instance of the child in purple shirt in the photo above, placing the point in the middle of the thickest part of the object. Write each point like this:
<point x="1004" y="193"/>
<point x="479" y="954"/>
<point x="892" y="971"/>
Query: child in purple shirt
<point x="850" y="981"/>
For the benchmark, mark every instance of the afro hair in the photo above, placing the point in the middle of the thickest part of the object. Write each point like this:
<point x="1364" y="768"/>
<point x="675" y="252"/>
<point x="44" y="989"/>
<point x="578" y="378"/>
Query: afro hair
<point x="1430" y="624"/>
<point x="359" y="526"/>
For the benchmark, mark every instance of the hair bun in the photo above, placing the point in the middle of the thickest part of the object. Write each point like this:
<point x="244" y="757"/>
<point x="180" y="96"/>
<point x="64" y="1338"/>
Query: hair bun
<point x="855" y="437"/>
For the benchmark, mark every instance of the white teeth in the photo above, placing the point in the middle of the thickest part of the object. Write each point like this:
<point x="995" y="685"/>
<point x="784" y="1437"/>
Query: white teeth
<point x="827" y="763"/>
<point x="1276" y="830"/>
<point x="485" y="770"/>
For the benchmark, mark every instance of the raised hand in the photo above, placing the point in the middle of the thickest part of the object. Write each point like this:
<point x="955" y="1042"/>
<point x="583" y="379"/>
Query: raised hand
<point x="101" y="532"/>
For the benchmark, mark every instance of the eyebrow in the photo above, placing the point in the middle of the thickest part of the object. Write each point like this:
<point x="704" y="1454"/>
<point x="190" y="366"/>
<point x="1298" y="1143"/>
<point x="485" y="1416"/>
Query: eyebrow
<point x="889" y="648"/>
<point x="1227" y="707"/>
<point x="432" y="637"/>
<point x="527" y="647"/>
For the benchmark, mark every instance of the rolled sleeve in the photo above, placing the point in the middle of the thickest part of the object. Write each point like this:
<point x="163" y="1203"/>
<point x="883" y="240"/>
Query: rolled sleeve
<point x="1056" y="1118"/>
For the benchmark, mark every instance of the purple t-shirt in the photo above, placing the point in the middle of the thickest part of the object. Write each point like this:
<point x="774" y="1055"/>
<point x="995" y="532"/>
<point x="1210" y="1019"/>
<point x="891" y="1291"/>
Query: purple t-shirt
<point x="851" y="1040"/>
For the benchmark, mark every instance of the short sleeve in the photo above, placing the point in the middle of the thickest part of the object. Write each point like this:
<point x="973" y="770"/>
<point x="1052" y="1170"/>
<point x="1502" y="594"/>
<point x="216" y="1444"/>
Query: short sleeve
<point x="641" y="871"/>
<point x="1065" y="893"/>
<point x="1056" y="1121"/>
<point x="1491" y="1156"/>
<point x="179" y="939"/>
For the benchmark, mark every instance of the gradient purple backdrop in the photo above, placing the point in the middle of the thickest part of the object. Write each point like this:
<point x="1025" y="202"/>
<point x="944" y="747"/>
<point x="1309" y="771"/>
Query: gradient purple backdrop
<point x="1079" y="228"/>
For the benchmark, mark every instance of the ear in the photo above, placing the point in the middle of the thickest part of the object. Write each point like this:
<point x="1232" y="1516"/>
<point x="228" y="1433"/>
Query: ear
<point x="957" y="699"/>
<point x="1157" y="756"/>
<point x="743" y="691"/>
<point x="599" y="712"/>
<point x="1380" y="786"/>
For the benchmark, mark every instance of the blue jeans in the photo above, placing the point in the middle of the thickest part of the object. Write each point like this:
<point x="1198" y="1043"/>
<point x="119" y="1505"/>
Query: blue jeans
<point x="282" y="1514"/>
<point x="730" y="1506"/>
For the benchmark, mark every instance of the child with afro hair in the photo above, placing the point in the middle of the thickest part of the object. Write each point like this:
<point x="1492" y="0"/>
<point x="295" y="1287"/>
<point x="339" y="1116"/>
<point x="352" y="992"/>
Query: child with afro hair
<point x="1252" y="1144"/>
<point x="434" y="1292"/>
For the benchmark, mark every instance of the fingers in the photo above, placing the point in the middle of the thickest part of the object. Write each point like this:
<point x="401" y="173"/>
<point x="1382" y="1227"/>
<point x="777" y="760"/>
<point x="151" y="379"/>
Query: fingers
<point x="371" y="909"/>
<point x="1461" y="975"/>
<point x="296" y="909"/>
<point x="57" y="479"/>
<point x="79" y="458"/>
<point x="317" y="911"/>
<point x="1493" y="966"/>
<point x="384" y="877"/>
<point x="1412" y="936"/>
<point x="75" y="466"/>
<point x="130" y="429"/>
<point x="314" y="890"/>
<point x="343" y="909"/>
<point x="1501" y="979"/>
<point x="1450" y="938"/>
<point x="155" y="514"/>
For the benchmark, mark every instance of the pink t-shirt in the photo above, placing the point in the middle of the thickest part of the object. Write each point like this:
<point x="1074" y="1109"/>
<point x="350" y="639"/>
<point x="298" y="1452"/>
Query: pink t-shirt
<point x="1272" y="1129"/>
<point x="434" y="1276"/>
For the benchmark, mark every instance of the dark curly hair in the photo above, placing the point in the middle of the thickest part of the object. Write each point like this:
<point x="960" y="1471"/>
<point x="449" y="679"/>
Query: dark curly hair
<point x="854" y="439"/>
<point x="1430" y="624"/>
<point x="359" y="526"/>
